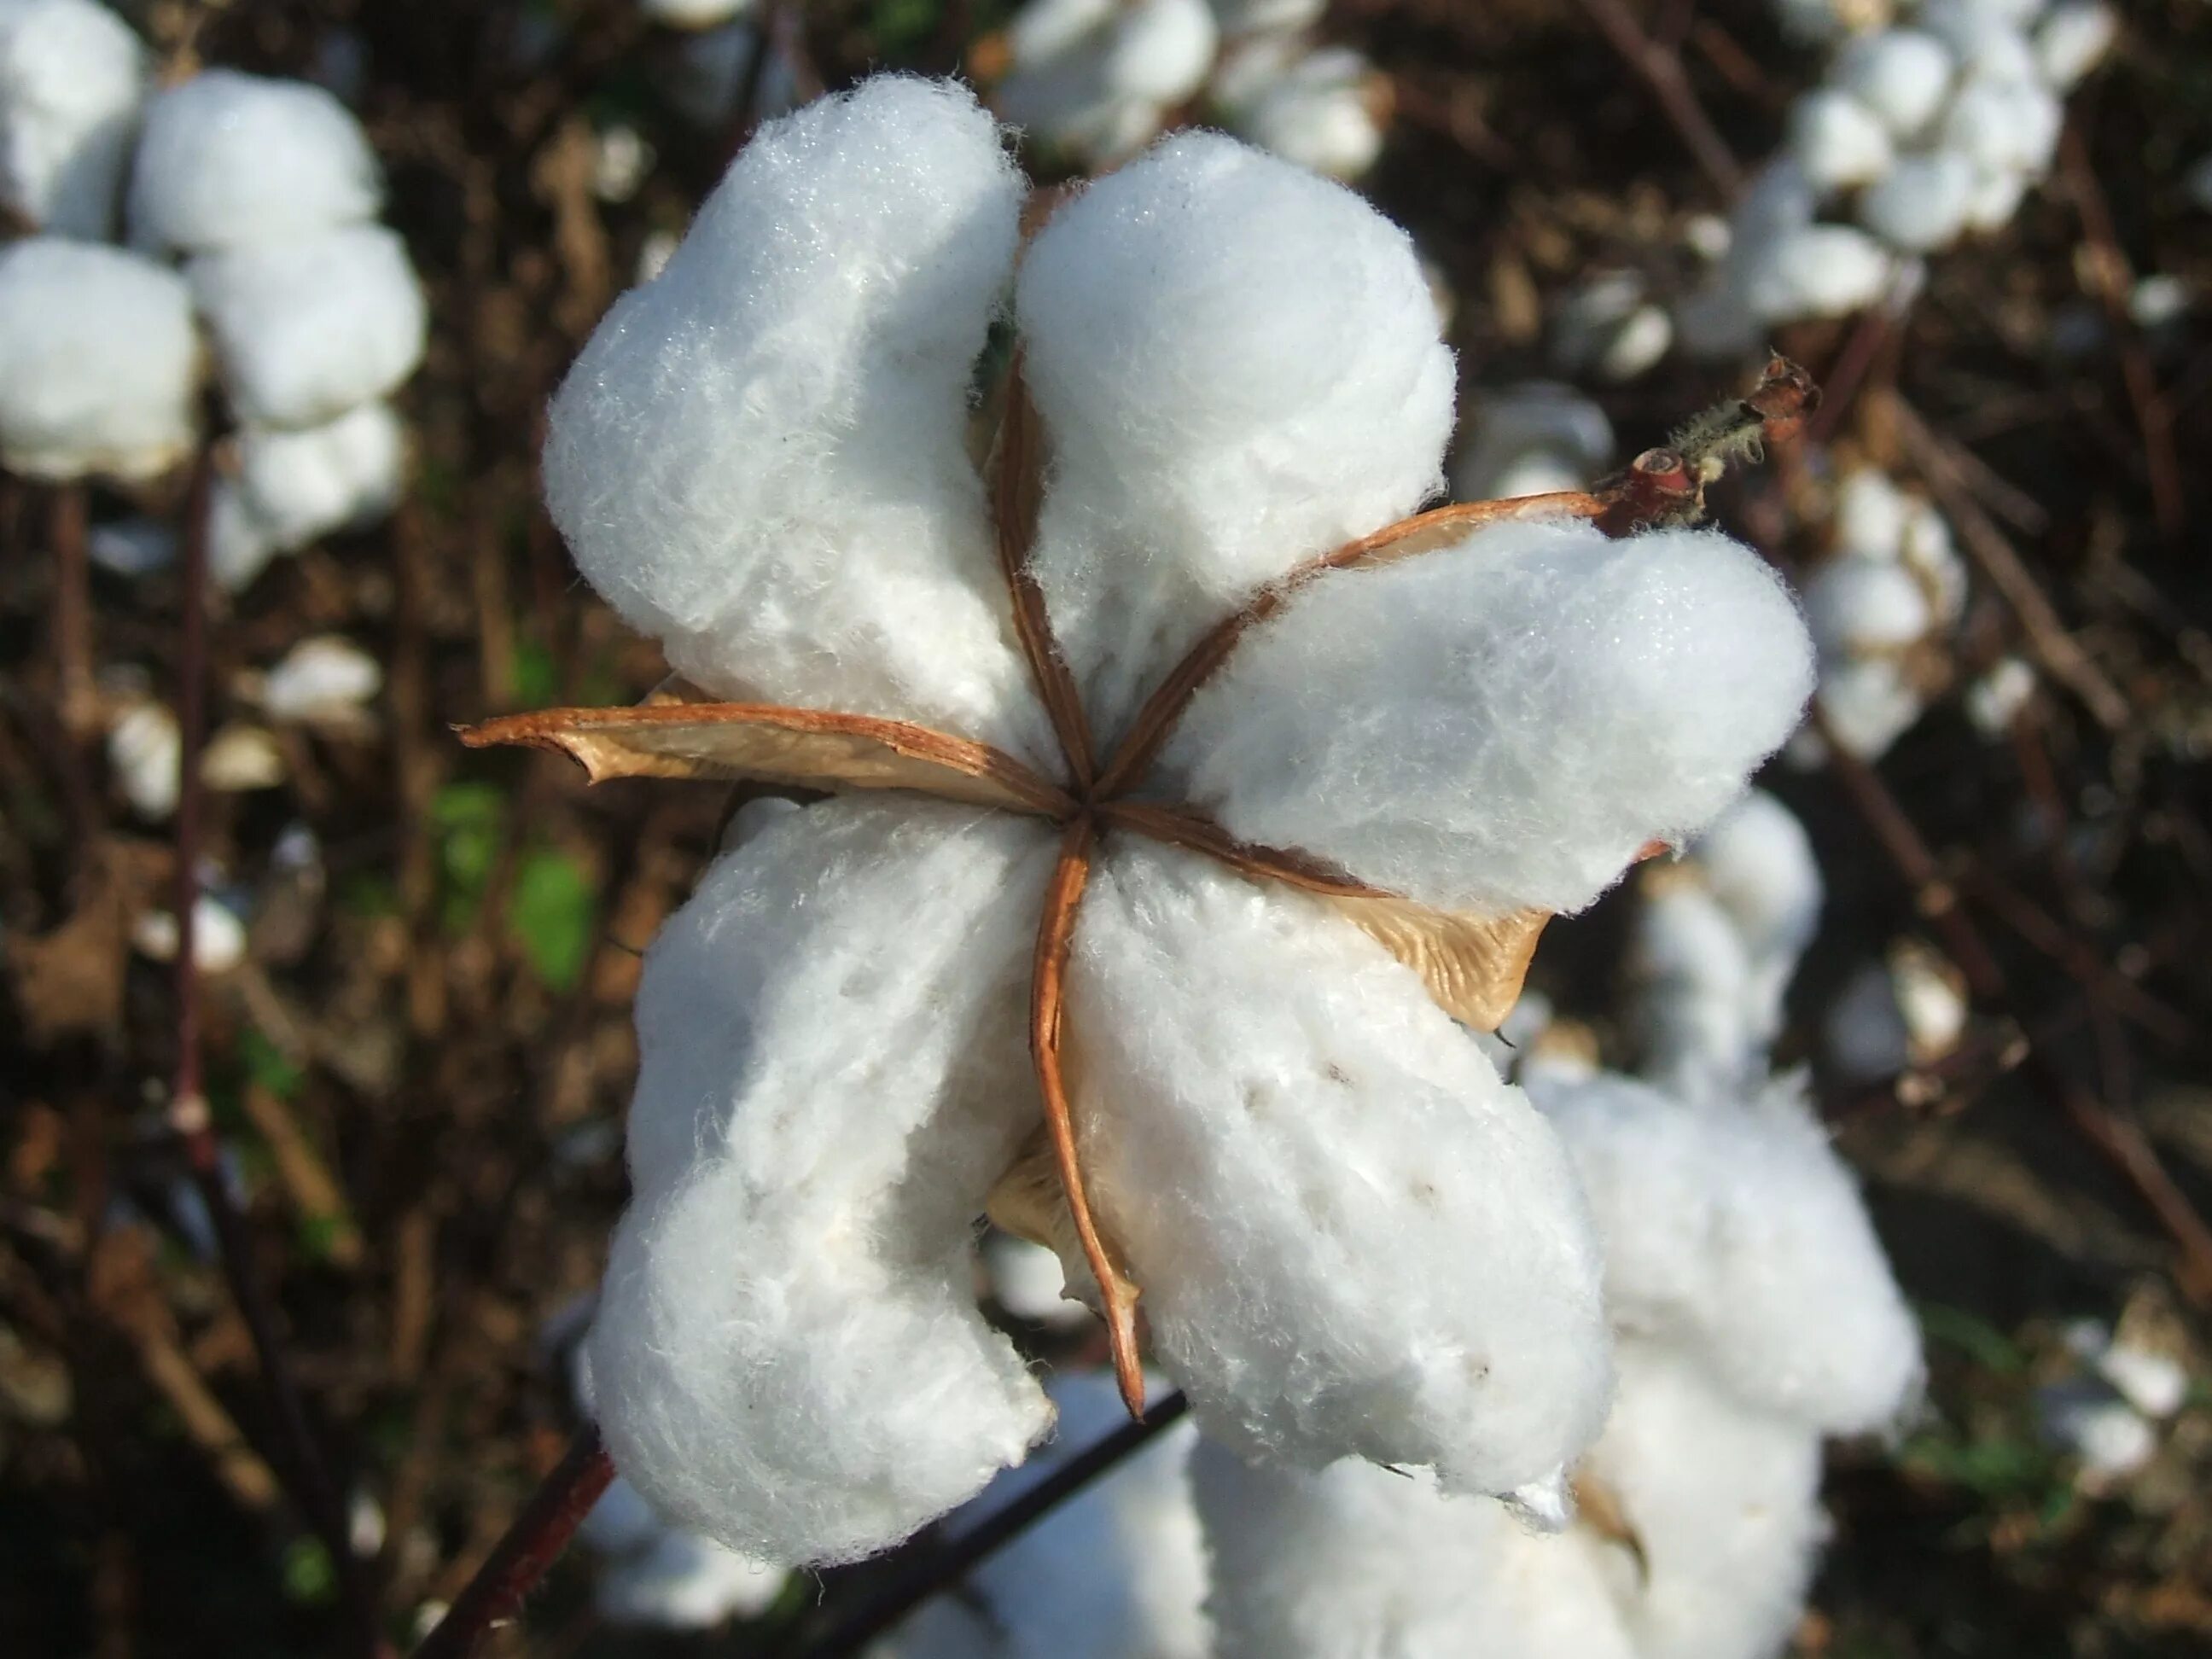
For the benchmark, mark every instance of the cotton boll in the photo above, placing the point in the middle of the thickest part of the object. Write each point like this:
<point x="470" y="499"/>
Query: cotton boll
<point x="1254" y="16"/>
<point x="1607" y="326"/>
<point x="1985" y="39"/>
<point x="1323" y="109"/>
<point x="679" y="1581"/>
<point x="1870" y="514"/>
<point x="1027" y="1280"/>
<point x="98" y="362"/>
<point x="1901" y="75"/>
<point x="1735" y="1233"/>
<point x="71" y="75"/>
<point x="232" y="161"/>
<point x="694" y="14"/>
<point x="787" y="1355"/>
<point x="1352" y="1236"/>
<point x="1094" y="77"/>
<point x="1758" y="861"/>
<point x="1821" y="270"/>
<point x="1994" y="701"/>
<point x="1509" y="721"/>
<point x="1867" y="704"/>
<point x="239" y="544"/>
<point x="1238" y="367"/>
<point x="1837" y="139"/>
<point x="1858" y="607"/>
<point x="2003" y="126"/>
<point x="1864" y="1034"/>
<point x="241" y="758"/>
<point x="1694" y="1004"/>
<point x="2072" y="39"/>
<point x="2087" y="1421"/>
<point x="1116" y="1572"/>
<point x="1531" y="439"/>
<point x="303" y="483"/>
<point x="218" y="936"/>
<point x="1997" y="199"/>
<point x="145" y="753"/>
<point x="1724" y="1504"/>
<point x="308" y="329"/>
<point x="1921" y="203"/>
<point x="1929" y="553"/>
<point x="759" y="456"/>
<point x="1716" y="320"/>
<point x="1358" y="1560"/>
<point x="320" y="679"/>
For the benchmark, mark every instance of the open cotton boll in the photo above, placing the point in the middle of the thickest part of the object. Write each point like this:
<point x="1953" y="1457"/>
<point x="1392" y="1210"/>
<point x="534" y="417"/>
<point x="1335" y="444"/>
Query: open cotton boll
<point x="787" y="1355"/>
<point x="680" y="1581"/>
<point x="2072" y="39"/>
<point x="1870" y="514"/>
<point x="308" y="329"/>
<point x="1901" y="75"/>
<point x="1610" y="327"/>
<point x="1694" y="1003"/>
<point x="1816" y="270"/>
<point x="1985" y="38"/>
<point x="98" y="362"/>
<point x="1759" y="862"/>
<point x="1027" y="1280"/>
<point x="759" y="456"/>
<point x="300" y="483"/>
<point x="1735" y="1232"/>
<point x="1724" y="1504"/>
<point x="239" y="544"/>
<point x="319" y="679"/>
<point x="1921" y="203"/>
<point x="1837" y="139"/>
<point x="218" y="935"/>
<point x="1614" y="692"/>
<point x="230" y="161"/>
<point x="1116" y="1572"/>
<point x="1256" y="16"/>
<point x="71" y="75"/>
<point x="1323" y="109"/>
<point x="1353" y="1237"/>
<point x="1238" y="367"/>
<point x="1994" y="701"/>
<point x="2003" y="126"/>
<point x="145" y="752"/>
<point x="1539" y="432"/>
<point x="1858" y="607"/>
<point x="1094" y="77"/>
<point x="694" y="14"/>
<point x="1358" y="1560"/>
<point x="1866" y="705"/>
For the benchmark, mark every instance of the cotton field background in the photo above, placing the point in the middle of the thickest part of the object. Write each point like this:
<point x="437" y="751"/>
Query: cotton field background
<point x="1879" y="1104"/>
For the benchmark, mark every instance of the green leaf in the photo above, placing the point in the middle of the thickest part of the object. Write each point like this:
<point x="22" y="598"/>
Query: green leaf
<point x="309" y="1575"/>
<point x="267" y="1068"/>
<point x="1972" y="1336"/>
<point x="551" y="916"/>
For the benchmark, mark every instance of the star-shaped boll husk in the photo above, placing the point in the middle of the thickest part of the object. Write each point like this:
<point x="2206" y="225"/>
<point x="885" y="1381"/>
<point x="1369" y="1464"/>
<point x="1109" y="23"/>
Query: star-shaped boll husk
<point x="1242" y="781"/>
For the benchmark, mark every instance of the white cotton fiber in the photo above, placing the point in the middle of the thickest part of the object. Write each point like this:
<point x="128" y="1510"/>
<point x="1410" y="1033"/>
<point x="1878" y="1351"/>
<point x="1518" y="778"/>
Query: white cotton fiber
<point x="1505" y="722"/>
<point x="1856" y="607"/>
<point x="1867" y="704"/>
<point x="1359" y="1561"/>
<point x="1323" y="108"/>
<point x="1870" y="513"/>
<point x="1028" y="1281"/>
<point x="787" y="1355"/>
<point x="759" y="456"/>
<point x="1543" y="432"/>
<point x="1353" y="1237"/>
<point x="1837" y="139"/>
<point x="1095" y="78"/>
<point x="1116" y="1572"/>
<point x="2003" y="126"/>
<point x="99" y="361"/>
<point x="231" y="160"/>
<point x="1758" y="861"/>
<point x="305" y="329"/>
<point x="1238" y="368"/>
<point x="1724" y="1502"/>
<point x="1735" y="1232"/>
<point x="1922" y="202"/>
<point x="2072" y="39"/>
<point x="1815" y="270"/>
<point x="71" y="75"/>
<point x="682" y="1582"/>
<point x="320" y="679"/>
<point x="694" y="14"/>
<point x="1985" y="38"/>
<point x="299" y="484"/>
<point x="1902" y="74"/>
<point x="145" y="753"/>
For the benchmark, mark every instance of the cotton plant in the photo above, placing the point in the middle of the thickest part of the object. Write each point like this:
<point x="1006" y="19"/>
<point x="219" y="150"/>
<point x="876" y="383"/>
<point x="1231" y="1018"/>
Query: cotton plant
<point x="1754" y="1316"/>
<point x="1530" y="438"/>
<point x="1116" y="1572"/>
<point x="1884" y="604"/>
<point x="250" y="206"/>
<point x="1904" y="1011"/>
<point x="1092" y="82"/>
<point x="1931" y="123"/>
<point x="1183" y="791"/>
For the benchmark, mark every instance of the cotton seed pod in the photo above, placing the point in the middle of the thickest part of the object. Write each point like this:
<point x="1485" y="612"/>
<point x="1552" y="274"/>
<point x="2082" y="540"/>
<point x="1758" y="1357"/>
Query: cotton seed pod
<point x="306" y="330"/>
<point x="1929" y="553"/>
<point x="2072" y="39"/>
<point x="1996" y="200"/>
<point x="1837" y="139"/>
<point x="71" y="76"/>
<point x="232" y="161"/>
<point x="1921" y="203"/>
<point x="1901" y="75"/>
<point x="99" y="361"/>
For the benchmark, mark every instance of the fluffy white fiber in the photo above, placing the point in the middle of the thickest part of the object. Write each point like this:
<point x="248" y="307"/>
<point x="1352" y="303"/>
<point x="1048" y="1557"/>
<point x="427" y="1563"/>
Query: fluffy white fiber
<point x="1738" y="1235"/>
<point x="1095" y="78"/>
<point x="1238" y="368"/>
<point x="99" y="361"/>
<point x="1922" y="202"/>
<point x="679" y="1581"/>
<point x="1323" y="109"/>
<point x="1355" y="1560"/>
<point x="1902" y="74"/>
<point x="323" y="679"/>
<point x="71" y="74"/>
<point x="1837" y="139"/>
<point x="759" y="456"/>
<point x="1531" y="439"/>
<point x="1505" y="723"/>
<point x="309" y="328"/>
<point x="694" y="14"/>
<point x="1117" y="1571"/>
<point x="1353" y="1235"/>
<point x="295" y="485"/>
<point x="787" y="1356"/>
<point x="232" y="161"/>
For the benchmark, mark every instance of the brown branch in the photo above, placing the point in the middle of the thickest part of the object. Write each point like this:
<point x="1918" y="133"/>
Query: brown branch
<point x="78" y="700"/>
<point x="1117" y="1292"/>
<point x="1661" y="68"/>
<point x="1017" y="497"/>
<point x="527" y="1551"/>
